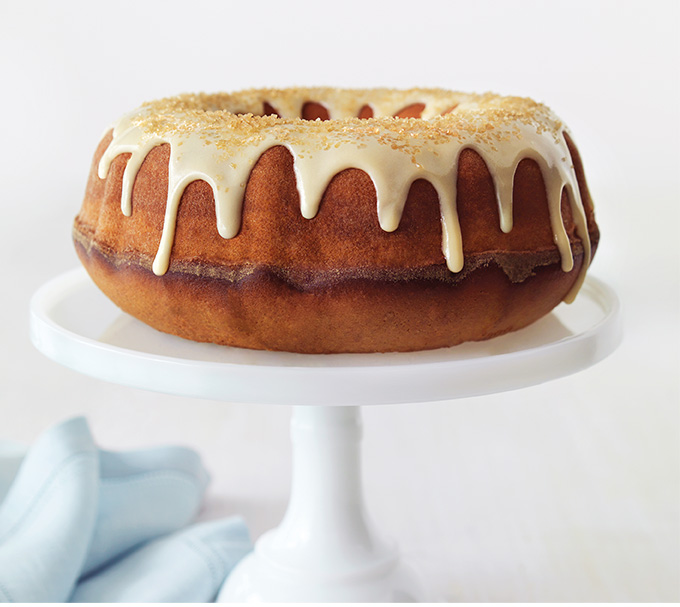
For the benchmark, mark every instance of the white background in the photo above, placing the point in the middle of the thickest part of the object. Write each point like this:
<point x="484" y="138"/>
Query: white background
<point x="565" y="491"/>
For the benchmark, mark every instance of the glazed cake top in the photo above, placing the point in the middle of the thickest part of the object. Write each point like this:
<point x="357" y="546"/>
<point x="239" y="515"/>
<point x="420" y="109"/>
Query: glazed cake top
<point x="487" y="117"/>
<point x="219" y="137"/>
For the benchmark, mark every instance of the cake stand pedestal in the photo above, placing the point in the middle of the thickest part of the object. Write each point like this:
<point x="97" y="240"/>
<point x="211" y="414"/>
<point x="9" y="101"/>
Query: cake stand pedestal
<point x="326" y="549"/>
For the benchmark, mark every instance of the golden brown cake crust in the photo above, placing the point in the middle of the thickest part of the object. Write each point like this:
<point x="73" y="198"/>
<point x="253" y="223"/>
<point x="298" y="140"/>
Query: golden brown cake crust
<point x="337" y="282"/>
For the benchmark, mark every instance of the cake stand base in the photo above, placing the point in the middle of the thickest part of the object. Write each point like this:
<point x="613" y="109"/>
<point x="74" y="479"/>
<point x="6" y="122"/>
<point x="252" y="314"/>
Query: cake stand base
<point x="326" y="548"/>
<point x="254" y="581"/>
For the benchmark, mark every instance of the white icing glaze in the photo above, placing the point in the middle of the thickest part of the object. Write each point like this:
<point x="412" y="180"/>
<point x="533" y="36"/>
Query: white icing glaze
<point x="209" y="142"/>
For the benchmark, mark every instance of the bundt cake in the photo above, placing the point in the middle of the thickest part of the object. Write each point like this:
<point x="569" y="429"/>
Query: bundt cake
<point x="327" y="220"/>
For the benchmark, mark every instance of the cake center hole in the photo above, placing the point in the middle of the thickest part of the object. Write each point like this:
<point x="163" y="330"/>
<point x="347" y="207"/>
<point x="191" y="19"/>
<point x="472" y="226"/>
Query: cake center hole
<point x="312" y="110"/>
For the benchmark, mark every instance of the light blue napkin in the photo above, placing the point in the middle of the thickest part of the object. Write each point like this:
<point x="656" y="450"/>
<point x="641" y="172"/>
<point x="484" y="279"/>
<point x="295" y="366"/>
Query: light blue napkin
<point x="79" y="523"/>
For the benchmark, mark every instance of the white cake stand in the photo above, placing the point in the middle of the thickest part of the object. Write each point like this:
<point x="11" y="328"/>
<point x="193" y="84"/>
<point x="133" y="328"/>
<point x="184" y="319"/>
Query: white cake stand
<point x="326" y="548"/>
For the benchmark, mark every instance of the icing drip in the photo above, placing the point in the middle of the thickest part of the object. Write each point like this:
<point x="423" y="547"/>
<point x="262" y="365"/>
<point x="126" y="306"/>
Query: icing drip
<point x="219" y="138"/>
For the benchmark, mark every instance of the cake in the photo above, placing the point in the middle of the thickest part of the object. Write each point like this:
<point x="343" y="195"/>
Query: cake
<point x="330" y="220"/>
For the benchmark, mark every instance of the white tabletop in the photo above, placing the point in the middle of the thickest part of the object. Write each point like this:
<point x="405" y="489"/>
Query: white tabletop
<point x="569" y="490"/>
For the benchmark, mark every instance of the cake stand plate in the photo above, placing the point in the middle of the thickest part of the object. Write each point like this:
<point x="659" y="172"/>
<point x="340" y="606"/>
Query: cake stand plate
<point x="326" y="548"/>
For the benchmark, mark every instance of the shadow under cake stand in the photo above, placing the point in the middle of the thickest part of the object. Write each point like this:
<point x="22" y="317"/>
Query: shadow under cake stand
<point x="326" y="548"/>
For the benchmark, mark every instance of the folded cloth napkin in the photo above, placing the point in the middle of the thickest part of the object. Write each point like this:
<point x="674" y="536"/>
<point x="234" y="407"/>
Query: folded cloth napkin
<point x="79" y="523"/>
